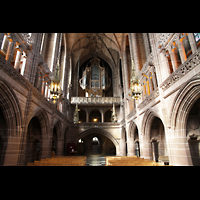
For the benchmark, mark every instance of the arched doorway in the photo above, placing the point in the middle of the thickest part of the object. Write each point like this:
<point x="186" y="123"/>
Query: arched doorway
<point x="82" y="116"/>
<point x="193" y="132"/>
<point x="107" y="116"/>
<point x="123" y="142"/>
<point x="96" y="140"/>
<point x="157" y="139"/>
<point x="137" y="144"/>
<point x="33" y="144"/>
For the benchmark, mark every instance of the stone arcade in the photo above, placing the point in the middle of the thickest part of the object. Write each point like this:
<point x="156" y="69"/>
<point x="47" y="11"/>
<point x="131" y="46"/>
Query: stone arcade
<point x="68" y="93"/>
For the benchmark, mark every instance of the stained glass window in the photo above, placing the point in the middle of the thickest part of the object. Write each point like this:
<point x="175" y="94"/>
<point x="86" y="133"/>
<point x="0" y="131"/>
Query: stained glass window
<point x="197" y="37"/>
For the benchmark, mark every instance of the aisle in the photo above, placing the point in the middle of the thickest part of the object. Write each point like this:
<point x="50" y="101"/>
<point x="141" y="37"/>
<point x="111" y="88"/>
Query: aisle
<point x="96" y="160"/>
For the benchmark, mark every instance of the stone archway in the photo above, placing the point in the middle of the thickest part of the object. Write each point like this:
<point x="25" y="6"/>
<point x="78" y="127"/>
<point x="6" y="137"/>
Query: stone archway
<point x="184" y="101"/>
<point x="102" y="136"/>
<point x="37" y="132"/>
<point x="133" y="140"/>
<point x="148" y="136"/>
<point x="10" y="126"/>
<point x="33" y="141"/>
<point x="157" y="139"/>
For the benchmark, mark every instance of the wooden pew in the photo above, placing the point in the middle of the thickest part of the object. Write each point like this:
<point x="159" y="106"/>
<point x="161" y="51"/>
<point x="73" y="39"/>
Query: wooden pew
<point x="61" y="161"/>
<point x="129" y="161"/>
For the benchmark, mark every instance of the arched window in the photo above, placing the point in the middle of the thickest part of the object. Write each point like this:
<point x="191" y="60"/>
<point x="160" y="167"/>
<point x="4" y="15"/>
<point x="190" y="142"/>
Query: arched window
<point x="107" y="116"/>
<point x="95" y="116"/>
<point x="82" y="116"/>
<point x="197" y="39"/>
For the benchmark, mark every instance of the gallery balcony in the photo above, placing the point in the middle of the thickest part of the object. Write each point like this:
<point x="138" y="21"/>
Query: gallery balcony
<point x="98" y="101"/>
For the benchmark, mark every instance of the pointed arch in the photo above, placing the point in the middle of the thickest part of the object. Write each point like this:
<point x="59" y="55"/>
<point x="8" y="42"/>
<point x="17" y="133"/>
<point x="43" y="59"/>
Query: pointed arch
<point x="147" y="121"/>
<point x="11" y="108"/>
<point x="132" y="129"/>
<point x="58" y="127"/>
<point x="41" y="114"/>
<point x="188" y="94"/>
<point x="99" y="131"/>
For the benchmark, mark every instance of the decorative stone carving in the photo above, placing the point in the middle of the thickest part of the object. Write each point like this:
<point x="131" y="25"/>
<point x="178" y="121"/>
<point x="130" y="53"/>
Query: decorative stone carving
<point x="28" y="38"/>
<point x="183" y="69"/>
<point x="164" y="38"/>
<point x="96" y="100"/>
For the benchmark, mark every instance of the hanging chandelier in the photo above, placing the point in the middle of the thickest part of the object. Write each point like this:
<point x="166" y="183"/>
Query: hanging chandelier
<point x="135" y="90"/>
<point x="55" y="89"/>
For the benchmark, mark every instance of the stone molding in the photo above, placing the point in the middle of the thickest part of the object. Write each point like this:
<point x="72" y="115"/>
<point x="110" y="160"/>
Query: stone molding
<point x="96" y="100"/>
<point x="164" y="39"/>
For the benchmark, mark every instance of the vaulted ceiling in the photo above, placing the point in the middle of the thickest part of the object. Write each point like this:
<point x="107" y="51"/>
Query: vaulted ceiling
<point x="81" y="44"/>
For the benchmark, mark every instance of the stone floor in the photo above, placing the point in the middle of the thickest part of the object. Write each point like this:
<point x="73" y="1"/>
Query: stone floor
<point x="96" y="160"/>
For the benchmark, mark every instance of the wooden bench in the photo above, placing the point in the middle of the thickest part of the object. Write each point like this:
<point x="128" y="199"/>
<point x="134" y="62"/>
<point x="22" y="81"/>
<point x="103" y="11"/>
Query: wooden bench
<point x="61" y="161"/>
<point x="130" y="161"/>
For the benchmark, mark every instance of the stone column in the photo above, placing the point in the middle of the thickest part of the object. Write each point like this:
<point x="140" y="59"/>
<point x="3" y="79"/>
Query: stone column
<point x="131" y="147"/>
<point x="46" y="147"/>
<point x="12" y="151"/>
<point x="60" y="146"/>
<point x="135" y="51"/>
<point x="165" y="66"/>
<point x="102" y="117"/>
<point x="122" y="147"/>
<point x="87" y="116"/>
<point x="122" y="142"/>
<point x="145" y="148"/>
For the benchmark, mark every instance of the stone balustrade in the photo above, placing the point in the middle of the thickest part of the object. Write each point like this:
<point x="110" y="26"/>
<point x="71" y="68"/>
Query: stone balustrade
<point x="96" y="100"/>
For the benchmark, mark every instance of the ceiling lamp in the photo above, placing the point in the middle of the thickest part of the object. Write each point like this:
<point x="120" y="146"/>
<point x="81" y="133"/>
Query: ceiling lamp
<point x="135" y="87"/>
<point x="55" y="89"/>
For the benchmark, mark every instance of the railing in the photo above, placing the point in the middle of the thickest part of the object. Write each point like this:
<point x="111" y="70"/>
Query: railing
<point x="96" y="100"/>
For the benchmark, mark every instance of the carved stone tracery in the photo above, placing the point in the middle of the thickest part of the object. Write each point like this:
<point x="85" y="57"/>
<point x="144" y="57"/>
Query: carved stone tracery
<point x="183" y="69"/>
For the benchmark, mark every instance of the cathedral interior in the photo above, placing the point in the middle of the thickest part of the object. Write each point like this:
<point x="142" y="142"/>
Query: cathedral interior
<point x="109" y="94"/>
